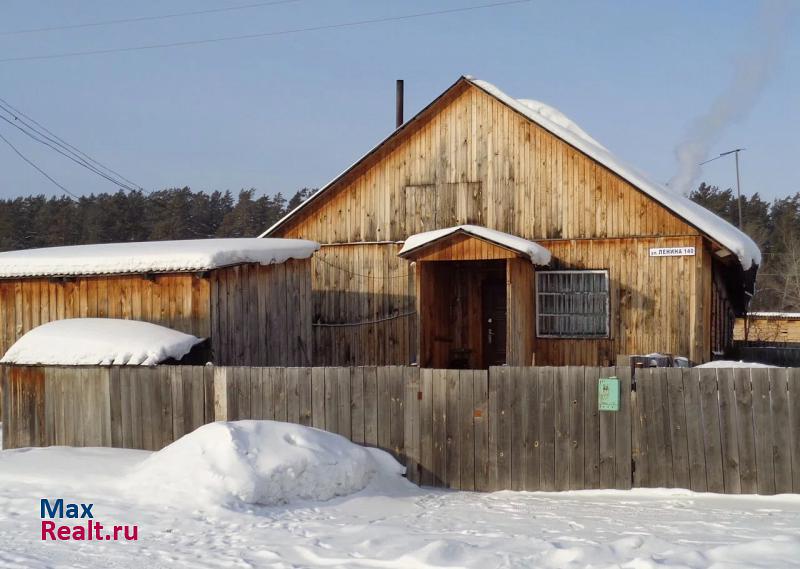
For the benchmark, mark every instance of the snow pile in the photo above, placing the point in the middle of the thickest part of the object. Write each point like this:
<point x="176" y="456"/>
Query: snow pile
<point x="731" y="363"/>
<point x="535" y="252"/>
<point x="99" y="341"/>
<point x="151" y="256"/>
<point x="557" y="123"/>
<point x="256" y="462"/>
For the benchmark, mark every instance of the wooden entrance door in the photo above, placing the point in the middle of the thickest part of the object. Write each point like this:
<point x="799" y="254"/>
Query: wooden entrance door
<point x="495" y="314"/>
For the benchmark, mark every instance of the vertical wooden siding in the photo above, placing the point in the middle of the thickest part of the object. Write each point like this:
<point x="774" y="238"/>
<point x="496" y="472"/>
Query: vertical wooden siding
<point x="475" y="160"/>
<point x="178" y="301"/>
<point x="363" y="306"/>
<point x="261" y="314"/>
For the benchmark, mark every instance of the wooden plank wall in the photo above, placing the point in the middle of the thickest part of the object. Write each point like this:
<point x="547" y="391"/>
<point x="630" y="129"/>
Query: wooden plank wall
<point x="261" y="314"/>
<point x="363" y="306"/>
<point x="475" y="160"/>
<point x="136" y="407"/>
<point x="654" y="301"/>
<point x="520" y="428"/>
<point x="718" y="430"/>
<point x="178" y="301"/>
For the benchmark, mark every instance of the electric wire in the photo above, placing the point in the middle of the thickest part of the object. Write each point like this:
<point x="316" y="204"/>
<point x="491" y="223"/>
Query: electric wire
<point x="30" y="162"/>
<point x="351" y="24"/>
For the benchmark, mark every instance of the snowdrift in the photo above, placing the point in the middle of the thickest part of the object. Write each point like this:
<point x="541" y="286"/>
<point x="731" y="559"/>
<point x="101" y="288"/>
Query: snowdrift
<point x="235" y="464"/>
<point x="99" y="341"/>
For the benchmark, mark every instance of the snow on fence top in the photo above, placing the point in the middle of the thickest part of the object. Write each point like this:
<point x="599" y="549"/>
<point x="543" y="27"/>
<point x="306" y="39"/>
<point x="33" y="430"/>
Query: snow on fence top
<point x="556" y="122"/>
<point x="535" y="252"/>
<point x="99" y="341"/>
<point x="151" y="256"/>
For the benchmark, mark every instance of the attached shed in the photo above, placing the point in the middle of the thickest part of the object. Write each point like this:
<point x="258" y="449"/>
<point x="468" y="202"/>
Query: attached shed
<point x="635" y="267"/>
<point x="250" y="297"/>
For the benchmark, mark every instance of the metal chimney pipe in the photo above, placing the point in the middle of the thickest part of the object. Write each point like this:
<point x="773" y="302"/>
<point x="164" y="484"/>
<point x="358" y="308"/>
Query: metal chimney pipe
<point x="399" y="103"/>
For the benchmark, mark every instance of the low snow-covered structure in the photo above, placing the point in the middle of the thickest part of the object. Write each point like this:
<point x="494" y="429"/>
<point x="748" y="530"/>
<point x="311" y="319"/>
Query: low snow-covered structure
<point x="635" y="267"/>
<point x="99" y="341"/>
<point x="249" y="297"/>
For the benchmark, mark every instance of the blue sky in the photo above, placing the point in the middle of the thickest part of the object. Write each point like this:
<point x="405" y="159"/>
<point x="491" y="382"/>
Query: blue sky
<point x="290" y="111"/>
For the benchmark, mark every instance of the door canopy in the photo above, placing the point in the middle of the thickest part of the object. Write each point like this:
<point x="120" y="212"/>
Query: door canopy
<point x="471" y="242"/>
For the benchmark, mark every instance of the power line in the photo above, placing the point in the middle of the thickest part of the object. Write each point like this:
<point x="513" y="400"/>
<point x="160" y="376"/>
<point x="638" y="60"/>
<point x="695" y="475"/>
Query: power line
<point x="16" y="113"/>
<point x="42" y="172"/>
<point x="146" y="18"/>
<point x="264" y="34"/>
<point x="62" y="153"/>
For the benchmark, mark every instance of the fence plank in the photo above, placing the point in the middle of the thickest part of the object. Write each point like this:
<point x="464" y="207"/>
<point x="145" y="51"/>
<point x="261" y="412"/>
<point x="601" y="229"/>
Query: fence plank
<point x="562" y="440"/>
<point x="293" y="395"/>
<point x="279" y="394"/>
<point x="547" y="417"/>
<point x="466" y="379"/>
<point x="607" y="441"/>
<point x="709" y="401"/>
<point x="727" y="427"/>
<point x="794" y="425"/>
<point x="591" y="429"/>
<point x="530" y="385"/>
<point x="318" y="397"/>
<point x="304" y="396"/>
<point x="384" y="409"/>
<point x="426" y="427"/>
<point x="576" y="435"/>
<point x="480" y="387"/>
<point x="494" y="427"/>
<point x="694" y="431"/>
<point x="677" y="434"/>
<point x="438" y="430"/>
<point x="357" y="402"/>
<point x="453" y="428"/>
<point x="622" y="427"/>
<point x="748" y="474"/>
<point x="396" y="397"/>
<point x="344" y="419"/>
<point x="411" y="422"/>
<point x="371" y="406"/>
<point x="762" y="424"/>
<point x="504" y="426"/>
<point x="779" y="410"/>
<point x="519" y="420"/>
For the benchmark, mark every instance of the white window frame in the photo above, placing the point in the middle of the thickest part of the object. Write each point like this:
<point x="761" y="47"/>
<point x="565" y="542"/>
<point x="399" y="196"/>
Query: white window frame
<point x="578" y="336"/>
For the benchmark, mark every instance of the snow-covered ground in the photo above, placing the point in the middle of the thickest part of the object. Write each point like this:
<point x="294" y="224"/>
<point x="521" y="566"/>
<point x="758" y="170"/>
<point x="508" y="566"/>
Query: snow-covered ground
<point x="387" y="524"/>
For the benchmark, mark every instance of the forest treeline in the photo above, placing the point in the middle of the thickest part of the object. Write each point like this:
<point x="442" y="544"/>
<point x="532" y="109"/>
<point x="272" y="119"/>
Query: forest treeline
<point x="775" y="227"/>
<point x="181" y="213"/>
<point x="177" y="213"/>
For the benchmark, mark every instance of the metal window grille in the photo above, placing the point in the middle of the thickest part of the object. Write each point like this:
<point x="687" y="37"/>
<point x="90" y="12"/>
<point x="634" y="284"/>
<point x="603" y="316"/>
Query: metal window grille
<point x="572" y="304"/>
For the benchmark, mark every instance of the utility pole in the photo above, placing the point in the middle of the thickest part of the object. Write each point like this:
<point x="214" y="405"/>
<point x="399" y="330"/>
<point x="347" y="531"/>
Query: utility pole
<point x="736" y="152"/>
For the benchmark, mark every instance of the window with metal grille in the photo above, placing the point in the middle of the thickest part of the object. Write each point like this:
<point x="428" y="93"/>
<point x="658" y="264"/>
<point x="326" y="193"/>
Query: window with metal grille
<point x="572" y="304"/>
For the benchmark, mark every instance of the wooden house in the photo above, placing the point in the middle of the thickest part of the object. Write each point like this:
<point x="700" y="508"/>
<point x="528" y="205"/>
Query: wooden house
<point x="250" y="297"/>
<point x="778" y="328"/>
<point x="634" y="268"/>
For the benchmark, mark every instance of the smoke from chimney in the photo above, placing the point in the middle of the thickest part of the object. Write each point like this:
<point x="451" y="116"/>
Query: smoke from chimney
<point x="753" y="71"/>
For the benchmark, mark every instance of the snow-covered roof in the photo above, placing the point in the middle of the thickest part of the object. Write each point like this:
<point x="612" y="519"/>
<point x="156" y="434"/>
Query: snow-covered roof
<point x="99" y="341"/>
<point x="556" y="122"/>
<point x="778" y="315"/>
<point x="537" y="254"/>
<point x="151" y="256"/>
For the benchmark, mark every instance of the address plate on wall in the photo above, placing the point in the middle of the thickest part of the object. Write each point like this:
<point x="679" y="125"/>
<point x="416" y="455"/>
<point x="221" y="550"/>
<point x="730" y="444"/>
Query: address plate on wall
<point x="672" y="251"/>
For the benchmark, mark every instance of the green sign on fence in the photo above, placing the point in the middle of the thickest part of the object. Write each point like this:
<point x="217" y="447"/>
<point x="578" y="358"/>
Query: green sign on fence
<point x="608" y="394"/>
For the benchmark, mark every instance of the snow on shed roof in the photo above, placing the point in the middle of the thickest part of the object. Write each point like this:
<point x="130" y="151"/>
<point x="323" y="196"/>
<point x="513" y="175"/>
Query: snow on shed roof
<point x="151" y="256"/>
<point x="99" y="341"/>
<point x="537" y="254"/>
<point x="556" y="122"/>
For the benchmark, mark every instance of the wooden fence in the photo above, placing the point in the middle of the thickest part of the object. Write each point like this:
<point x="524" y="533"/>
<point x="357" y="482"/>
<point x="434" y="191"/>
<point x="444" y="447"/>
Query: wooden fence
<point x="519" y="428"/>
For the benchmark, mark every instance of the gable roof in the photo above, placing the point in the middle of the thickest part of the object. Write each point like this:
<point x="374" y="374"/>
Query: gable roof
<point x="534" y="252"/>
<point x="559" y="125"/>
